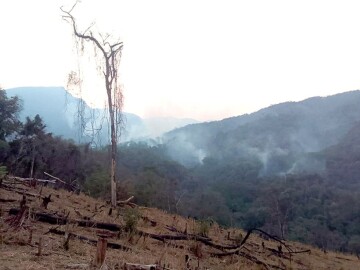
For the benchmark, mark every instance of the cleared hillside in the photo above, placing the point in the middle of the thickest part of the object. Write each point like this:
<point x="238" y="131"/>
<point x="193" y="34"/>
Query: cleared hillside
<point x="157" y="238"/>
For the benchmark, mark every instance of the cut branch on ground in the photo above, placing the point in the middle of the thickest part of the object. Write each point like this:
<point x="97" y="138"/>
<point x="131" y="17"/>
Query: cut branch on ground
<point x="92" y="241"/>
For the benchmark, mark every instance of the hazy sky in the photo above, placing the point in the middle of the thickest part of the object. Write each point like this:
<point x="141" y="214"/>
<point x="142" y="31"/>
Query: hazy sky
<point x="190" y="58"/>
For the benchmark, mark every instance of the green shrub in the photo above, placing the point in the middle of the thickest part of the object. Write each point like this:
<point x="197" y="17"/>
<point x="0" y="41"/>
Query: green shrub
<point x="98" y="184"/>
<point x="204" y="227"/>
<point x="131" y="218"/>
<point x="3" y="172"/>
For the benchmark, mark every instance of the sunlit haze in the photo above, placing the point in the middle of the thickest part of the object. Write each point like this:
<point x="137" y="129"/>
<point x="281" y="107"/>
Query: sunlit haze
<point x="205" y="60"/>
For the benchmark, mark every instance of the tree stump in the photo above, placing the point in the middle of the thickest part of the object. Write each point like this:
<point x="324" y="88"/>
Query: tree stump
<point x="101" y="251"/>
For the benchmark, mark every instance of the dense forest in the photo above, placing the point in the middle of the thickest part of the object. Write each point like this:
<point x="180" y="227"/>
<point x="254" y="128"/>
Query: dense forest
<point x="214" y="176"/>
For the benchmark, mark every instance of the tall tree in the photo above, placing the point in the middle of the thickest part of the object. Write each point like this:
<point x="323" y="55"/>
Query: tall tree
<point x="27" y="148"/>
<point x="109" y="64"/>
<point x="33" y="134"/>
<point x="9" y="122"/>
<point x="9" y="109"/>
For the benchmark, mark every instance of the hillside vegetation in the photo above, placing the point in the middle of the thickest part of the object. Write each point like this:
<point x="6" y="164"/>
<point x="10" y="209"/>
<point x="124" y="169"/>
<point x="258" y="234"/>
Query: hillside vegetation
<point x="291" y="170"/>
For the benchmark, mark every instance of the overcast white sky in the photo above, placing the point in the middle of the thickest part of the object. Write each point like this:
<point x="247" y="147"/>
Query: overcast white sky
<point x="200" y="59"/>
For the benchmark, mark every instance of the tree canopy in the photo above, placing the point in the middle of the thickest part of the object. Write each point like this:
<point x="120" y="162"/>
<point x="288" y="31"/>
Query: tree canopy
<point x="9" y="109"/>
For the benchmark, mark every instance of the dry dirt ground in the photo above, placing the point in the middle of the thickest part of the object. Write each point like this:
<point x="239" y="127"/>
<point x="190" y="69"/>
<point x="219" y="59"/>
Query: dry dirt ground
<point x="23" y="235"/>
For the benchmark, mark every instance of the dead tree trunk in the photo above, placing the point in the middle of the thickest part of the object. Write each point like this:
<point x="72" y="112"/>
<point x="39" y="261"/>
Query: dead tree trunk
<point x="32" y="166"/>
<point x="111" y="59"/>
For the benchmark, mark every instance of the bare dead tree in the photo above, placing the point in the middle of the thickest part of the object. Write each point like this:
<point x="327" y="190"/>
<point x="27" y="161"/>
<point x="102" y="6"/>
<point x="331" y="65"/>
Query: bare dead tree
<point x="110" y="54"/>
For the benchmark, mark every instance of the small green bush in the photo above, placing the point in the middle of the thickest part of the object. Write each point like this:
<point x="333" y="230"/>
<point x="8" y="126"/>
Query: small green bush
<point x="98" y="184"/>
<point x="3" y="172"/>
<point x="131" y="218"/>
<point x="204" y="227"/>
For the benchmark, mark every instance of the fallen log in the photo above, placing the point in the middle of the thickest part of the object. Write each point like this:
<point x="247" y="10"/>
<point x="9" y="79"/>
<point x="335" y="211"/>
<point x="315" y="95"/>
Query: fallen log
<point x="68" y="186"/>
<point x="134" y="266"/>
<point x="7" y="200"/>
<point x="290" y="251"/>
<point x="205" y="240"/>
<point x="21" y="179"/>
<point x="268" y="235"/>
<point x="300" y="251"/>
<point x="99" y="225"/>
<point x="92" y="241"/>
<point x="18" y="190"/>
<point x="60" y="220"/>
<point x="54" y="177"/>
<point x="275" y="238"/>
<point x="123" y="203"/>
<point x="246" y="256"/>
<point x="77" y="266"/>
<point x="173" y="229"/>
<point x="52" y="219"/>
<point x="274" y="251"/>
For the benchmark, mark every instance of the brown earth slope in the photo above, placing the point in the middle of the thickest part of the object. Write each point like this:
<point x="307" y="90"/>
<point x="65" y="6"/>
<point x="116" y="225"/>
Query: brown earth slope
<point x="159" y="238"/>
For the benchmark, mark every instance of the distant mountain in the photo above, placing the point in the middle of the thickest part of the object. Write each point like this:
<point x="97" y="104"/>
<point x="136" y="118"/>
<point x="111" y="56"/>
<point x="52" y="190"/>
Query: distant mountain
<point x="56" y="107"/>
<point x="60" y="112"/>
<point x="285" y="138"/>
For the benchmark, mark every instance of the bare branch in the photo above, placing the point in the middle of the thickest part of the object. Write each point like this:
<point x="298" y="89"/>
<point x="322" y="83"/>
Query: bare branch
<point x="111" y="59"/>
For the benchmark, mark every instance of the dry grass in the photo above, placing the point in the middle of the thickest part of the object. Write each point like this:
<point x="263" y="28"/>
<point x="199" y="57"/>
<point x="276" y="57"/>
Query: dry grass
<point x="17" y="253"/>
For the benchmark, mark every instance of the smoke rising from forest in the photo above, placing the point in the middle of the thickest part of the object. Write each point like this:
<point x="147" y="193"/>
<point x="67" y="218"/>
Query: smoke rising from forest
<point x="285" y="138"/>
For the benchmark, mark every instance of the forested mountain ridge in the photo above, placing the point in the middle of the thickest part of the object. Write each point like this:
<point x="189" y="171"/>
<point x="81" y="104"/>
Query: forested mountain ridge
<point x="52" y="104"/>
<point x="280" y="136"/>
<point x="292" y="169"/>
<point x="61" y="113"/>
